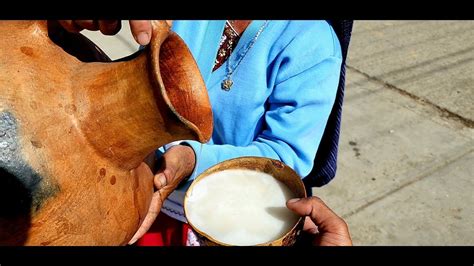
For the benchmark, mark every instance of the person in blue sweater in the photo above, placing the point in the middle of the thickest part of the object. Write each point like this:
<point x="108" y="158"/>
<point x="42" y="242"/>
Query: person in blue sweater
<point x="271" y="85"/>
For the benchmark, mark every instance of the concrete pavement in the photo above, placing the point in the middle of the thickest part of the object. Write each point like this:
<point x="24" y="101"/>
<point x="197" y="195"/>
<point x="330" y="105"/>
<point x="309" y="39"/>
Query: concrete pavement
<point x="117" y="46"/>
<point x="406" y="160"/>
<point x="405" y="172"/>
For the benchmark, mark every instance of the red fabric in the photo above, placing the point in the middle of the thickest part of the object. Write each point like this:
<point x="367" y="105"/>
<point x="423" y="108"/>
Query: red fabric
<point x="166" y="231"/>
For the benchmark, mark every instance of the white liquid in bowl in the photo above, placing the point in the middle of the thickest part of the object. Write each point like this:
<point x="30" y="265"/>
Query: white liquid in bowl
<point x="240" y="207"/>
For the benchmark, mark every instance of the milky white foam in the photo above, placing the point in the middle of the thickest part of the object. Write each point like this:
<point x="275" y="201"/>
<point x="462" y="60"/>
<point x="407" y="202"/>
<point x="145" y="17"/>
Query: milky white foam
<point x="240" y="207"/>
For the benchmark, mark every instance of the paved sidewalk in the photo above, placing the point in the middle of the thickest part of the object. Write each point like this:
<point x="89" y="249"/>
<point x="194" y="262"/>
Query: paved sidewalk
<point x="117" y="46"/>
<point x="406" y="162"/>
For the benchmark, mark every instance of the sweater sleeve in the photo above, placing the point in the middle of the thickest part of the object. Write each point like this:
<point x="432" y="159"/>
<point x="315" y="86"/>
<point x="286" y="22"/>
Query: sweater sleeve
<point x="304" y="89"/>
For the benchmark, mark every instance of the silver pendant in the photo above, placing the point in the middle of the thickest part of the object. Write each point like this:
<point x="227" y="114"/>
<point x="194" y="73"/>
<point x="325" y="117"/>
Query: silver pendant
<point x="227" y="84"/>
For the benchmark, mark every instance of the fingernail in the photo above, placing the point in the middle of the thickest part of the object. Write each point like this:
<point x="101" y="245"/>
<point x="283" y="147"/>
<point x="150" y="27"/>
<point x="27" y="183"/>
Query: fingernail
<point x="294" y="200"/>
<point x="131" y="242"/>
<point x="143" y="38"/>
<point x="162" y="180"/>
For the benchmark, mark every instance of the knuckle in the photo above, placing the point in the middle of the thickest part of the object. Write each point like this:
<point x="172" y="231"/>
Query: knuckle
<point x="315" y="200"/>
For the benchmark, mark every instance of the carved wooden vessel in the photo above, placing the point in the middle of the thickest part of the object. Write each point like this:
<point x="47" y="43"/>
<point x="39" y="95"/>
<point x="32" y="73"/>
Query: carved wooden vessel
<point x="74" y="135"/>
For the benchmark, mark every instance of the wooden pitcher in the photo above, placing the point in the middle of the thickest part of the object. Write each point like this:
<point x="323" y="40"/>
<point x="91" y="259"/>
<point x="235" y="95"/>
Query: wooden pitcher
<point x="74" y="135"/>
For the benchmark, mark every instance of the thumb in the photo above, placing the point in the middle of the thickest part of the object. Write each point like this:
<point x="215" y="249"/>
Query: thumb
<point x="318" y="212"/>
<point x="141" y="31"/>
<point x="164" y="177"/>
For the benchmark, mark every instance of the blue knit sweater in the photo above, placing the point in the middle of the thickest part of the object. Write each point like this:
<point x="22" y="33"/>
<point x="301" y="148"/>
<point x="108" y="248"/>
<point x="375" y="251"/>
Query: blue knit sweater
<point x="282" y="95"/>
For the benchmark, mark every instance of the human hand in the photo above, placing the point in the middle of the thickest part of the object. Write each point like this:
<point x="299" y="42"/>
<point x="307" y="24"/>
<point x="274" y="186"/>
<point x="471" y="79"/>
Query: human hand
<point x="176" y="163"/>
<point x="321" y="222"/>
<point x="141" y="29"/>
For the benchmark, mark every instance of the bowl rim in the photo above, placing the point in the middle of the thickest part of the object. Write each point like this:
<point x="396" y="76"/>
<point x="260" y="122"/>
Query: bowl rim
<point x="211" y="170"/>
